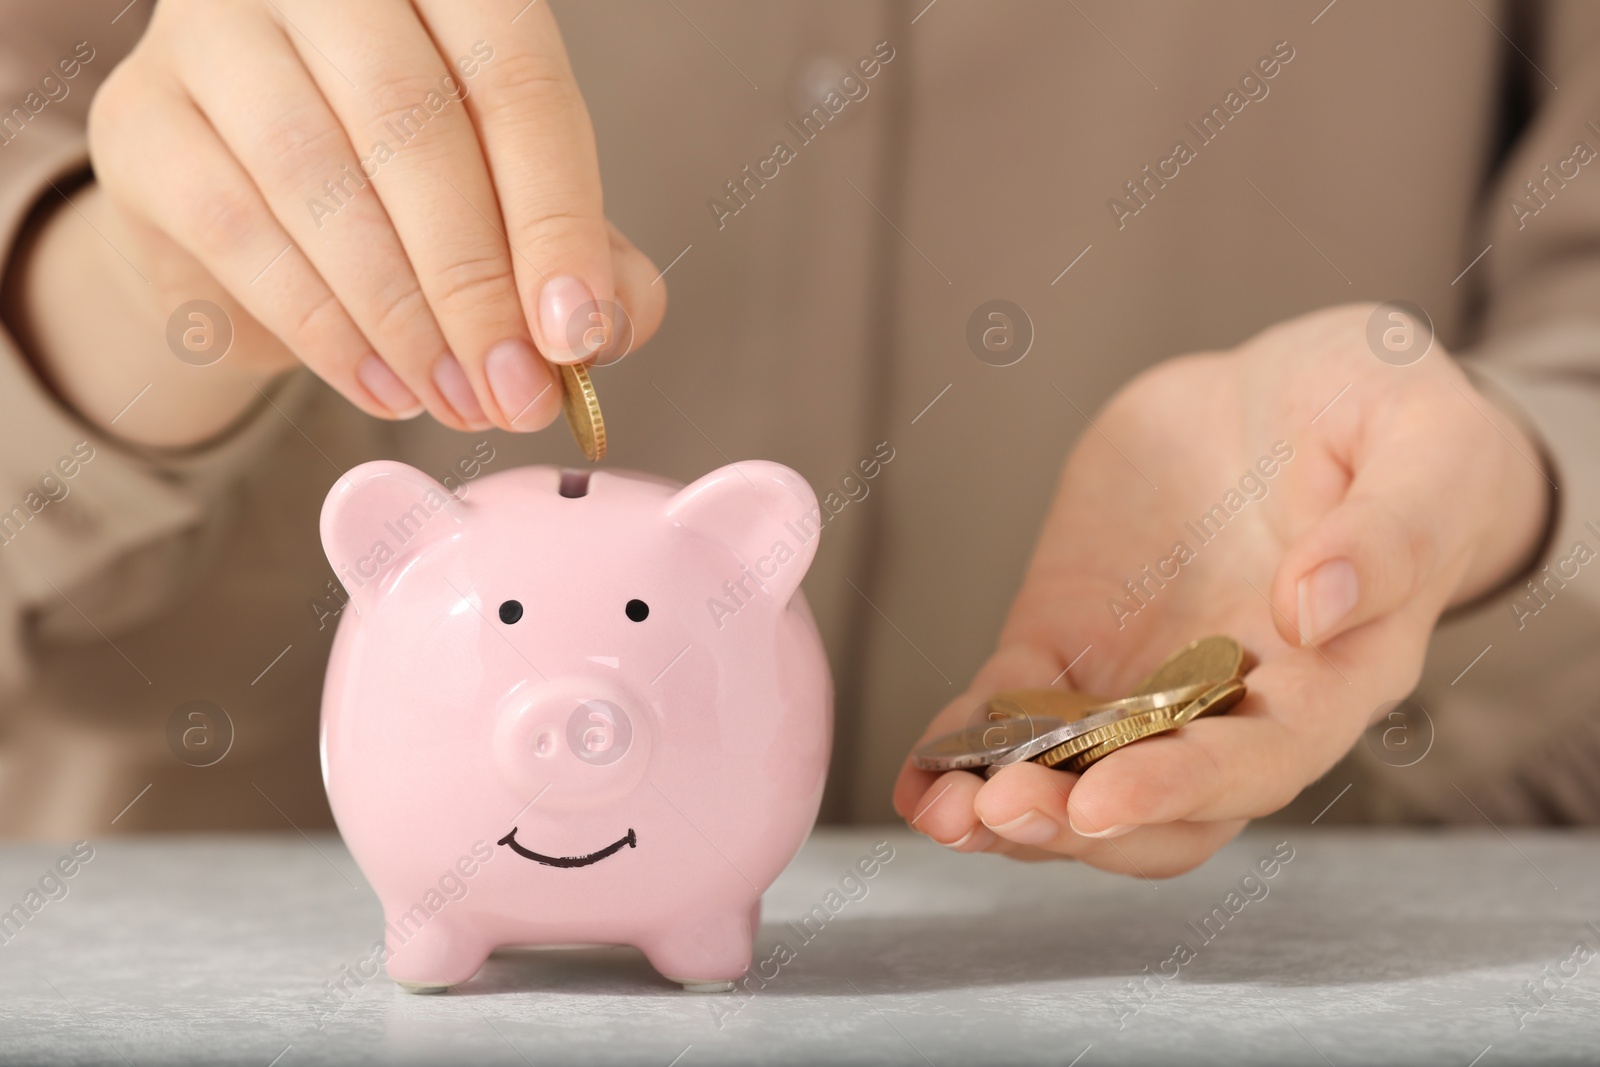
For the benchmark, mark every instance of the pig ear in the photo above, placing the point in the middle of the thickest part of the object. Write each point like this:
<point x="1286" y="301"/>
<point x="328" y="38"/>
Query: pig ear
<point x="378" y="514"/>
<point x="755" y="507"/>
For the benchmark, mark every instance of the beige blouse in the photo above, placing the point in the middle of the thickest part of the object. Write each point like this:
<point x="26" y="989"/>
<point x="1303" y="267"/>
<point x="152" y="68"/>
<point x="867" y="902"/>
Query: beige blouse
<point x="1126" y="173"/>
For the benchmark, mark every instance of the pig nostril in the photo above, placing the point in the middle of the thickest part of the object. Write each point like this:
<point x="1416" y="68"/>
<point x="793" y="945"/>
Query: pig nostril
<point x="544" y="744"/>
<point x="599" y="732"/>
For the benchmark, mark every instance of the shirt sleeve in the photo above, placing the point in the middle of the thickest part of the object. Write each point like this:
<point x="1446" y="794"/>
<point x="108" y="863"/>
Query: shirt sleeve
<point x="95" y="535"/>
<point x="1539" y="279"/>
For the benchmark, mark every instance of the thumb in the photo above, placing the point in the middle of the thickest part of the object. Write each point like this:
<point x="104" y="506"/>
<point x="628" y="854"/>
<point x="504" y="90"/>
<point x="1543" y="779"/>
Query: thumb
<point x="1365" y="558"/>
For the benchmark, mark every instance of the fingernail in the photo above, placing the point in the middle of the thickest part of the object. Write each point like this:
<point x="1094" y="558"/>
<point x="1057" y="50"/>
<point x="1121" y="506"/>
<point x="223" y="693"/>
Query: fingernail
<point x="452" y="383"/>
<point x="1111" y="831"/>
<point x="1326" y="596"/>
<point x="387" y="388"/>
<point x="559" y="301"/>
<point x="974" y="840"/>
<point x="519" y="380"/>
<point x="1033" y="827"/>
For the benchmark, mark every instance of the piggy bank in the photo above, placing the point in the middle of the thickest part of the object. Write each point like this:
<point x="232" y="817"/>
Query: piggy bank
<point x="573" y="708"/>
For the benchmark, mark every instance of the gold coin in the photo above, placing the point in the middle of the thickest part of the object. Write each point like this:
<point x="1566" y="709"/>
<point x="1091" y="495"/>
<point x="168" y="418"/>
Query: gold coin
<point x="1082" y="761"/>
<point x="1070" y="706"/>
<point x="1207" y="661"/>
<point x="1122" y="732"/>
<point x="1202" y="677"/>
<point x="1219" y="697"/>
<point x="582" y="408"/>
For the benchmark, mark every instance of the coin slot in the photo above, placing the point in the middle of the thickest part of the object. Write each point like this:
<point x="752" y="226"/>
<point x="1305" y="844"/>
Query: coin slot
<point x="574" y="483"/>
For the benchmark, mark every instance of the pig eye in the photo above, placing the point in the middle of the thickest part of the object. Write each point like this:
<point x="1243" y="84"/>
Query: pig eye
<point x="510" y="611"/>
<point x="638" y="610"/>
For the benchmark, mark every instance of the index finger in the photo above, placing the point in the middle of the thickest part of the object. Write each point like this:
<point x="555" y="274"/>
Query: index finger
<point x="535" y="132"/>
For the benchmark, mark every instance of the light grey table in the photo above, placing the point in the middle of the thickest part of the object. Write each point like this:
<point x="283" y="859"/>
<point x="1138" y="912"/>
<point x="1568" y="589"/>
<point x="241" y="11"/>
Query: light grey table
<point x="1366" y="947"/>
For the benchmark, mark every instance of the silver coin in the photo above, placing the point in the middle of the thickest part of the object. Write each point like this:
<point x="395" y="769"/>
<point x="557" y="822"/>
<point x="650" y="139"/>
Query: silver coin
<point x="1060" y="735"/>
<point x="980" y="744"/>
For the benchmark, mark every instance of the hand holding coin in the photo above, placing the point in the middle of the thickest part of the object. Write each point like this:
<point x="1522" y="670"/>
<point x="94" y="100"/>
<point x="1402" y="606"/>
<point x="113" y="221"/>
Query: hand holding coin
<point x="1317" y="504"/>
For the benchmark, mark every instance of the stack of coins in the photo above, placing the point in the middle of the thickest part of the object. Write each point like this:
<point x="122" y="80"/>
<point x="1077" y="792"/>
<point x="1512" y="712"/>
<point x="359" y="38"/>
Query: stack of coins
<point x="1071" y="731"/>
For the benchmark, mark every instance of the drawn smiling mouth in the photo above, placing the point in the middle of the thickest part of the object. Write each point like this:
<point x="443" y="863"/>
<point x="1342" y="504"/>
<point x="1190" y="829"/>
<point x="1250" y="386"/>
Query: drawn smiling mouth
<point x="510" y="841"/>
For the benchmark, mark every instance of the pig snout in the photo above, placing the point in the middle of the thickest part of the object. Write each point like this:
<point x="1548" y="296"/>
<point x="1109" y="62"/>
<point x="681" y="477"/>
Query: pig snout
<point x="573" y="743"/>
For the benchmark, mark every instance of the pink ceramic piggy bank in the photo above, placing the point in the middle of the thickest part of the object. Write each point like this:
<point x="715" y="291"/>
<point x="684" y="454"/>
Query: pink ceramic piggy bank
<point x="575" y="707"/>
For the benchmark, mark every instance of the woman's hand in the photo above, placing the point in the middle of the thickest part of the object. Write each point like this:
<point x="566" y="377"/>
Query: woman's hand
<point x="1330" y="506"/>
<point x="404" y="197"/>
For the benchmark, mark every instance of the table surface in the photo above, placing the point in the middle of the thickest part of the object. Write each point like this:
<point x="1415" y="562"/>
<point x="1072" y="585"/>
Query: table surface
<point x="1365" y="947"/>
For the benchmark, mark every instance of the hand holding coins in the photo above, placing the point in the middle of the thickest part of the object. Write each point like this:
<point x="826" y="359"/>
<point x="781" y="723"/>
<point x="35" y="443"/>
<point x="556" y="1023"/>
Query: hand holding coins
<point x="1072" y="731"/>
<point x="1327" y="539"/>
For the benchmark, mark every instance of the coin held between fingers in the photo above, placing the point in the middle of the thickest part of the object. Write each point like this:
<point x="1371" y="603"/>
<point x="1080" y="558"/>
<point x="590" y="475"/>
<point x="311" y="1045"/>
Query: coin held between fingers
<point x="581" y="405"/>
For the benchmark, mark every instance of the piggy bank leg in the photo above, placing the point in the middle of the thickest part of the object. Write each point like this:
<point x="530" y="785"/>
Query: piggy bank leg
<point x="705" y="955"/>
<point x="435" y="957"/>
